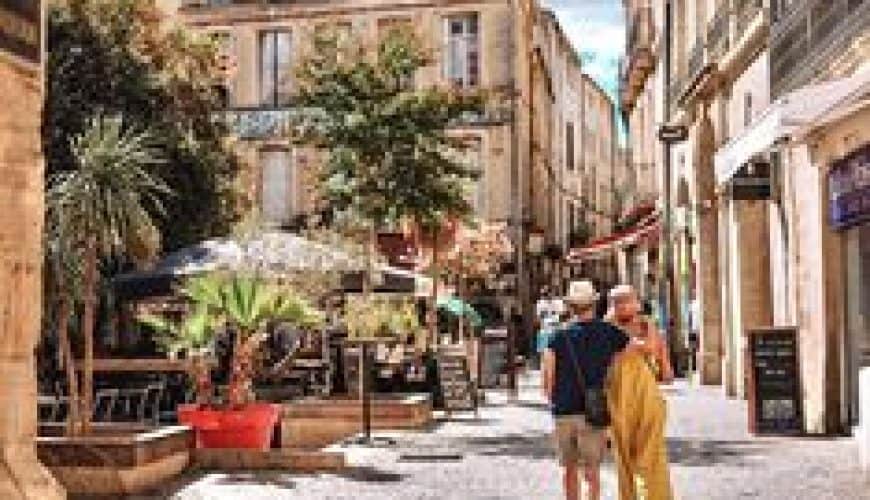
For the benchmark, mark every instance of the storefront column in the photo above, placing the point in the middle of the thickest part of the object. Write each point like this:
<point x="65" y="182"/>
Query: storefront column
<point x="21" y="213"/>
<point x="820" y="287"/>
<point x="707" y="240"/>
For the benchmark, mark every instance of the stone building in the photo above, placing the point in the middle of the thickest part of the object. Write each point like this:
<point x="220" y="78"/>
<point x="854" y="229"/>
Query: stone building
<point x="540" y="148"/>
<point x="767" y="230"/>
<point x="21" y="210"/>
<point x="471" y="46"/>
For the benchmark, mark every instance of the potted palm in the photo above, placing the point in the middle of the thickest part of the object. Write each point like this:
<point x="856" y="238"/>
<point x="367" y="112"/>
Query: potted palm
<point x="248" y="307"/>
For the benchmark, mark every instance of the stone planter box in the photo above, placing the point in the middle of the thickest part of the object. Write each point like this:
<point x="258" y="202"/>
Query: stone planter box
<point x="115" y="459"/>
<point x="301" y="461"/>
<point x="316" y="423"/>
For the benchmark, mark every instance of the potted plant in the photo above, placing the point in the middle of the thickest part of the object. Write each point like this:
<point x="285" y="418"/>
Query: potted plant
<point x="247" y="307"/>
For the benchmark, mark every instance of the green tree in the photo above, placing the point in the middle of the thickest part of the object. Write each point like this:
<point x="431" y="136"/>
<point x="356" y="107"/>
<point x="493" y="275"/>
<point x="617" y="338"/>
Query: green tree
<point x="111" y="57"/>
<point x="106" y="205"/>
<point x="390" y="155"/>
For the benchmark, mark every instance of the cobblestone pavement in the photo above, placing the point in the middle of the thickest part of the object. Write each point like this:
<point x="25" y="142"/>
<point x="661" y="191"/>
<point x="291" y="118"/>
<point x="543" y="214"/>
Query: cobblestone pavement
<point x="506" y="454"/>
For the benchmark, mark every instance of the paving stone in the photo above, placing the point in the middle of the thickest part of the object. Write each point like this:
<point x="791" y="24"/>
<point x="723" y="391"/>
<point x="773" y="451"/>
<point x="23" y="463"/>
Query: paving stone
<point x="506" y="453"/>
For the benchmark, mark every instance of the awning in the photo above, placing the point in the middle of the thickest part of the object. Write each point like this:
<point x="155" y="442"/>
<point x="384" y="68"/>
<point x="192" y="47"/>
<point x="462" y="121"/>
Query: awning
<point x="792" y="116"/>
<point x="646" y="230"/>
<point x="461" y="309"/>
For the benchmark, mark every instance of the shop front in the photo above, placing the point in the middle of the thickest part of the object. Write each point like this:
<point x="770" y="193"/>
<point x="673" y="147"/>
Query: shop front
<point x="849" y="190"/>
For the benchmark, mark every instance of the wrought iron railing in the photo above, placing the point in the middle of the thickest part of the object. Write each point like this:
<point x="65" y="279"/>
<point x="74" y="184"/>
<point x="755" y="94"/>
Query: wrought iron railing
<point x="807" y="34"/>
<point x="696" y="58"/>
<point x="718" y="39"/>
<point x="640" y="32"/>
<point x="745" y="12"/>
<point x="266" y="123"/>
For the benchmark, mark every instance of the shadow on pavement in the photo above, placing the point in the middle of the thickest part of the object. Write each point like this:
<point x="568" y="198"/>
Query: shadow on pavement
<point x="366" y="474"/>
<point x="270" y="478"/>
<point x="711" y="453"/>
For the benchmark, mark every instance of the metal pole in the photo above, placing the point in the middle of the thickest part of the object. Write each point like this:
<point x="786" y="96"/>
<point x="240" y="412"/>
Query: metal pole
<point x="364" y="391"/>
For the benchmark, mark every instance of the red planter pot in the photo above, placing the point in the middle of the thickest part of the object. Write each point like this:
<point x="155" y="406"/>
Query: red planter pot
<point x="248" y="427"/>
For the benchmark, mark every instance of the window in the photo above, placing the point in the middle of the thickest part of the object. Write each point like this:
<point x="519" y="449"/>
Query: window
<point x="278" y="189"/>
<point x="462" y="54"/>
<point x="276" y="70"/>
<point x="747" y="109"/>
<point x="227" y="65"/>
<point x="569" y="146"/>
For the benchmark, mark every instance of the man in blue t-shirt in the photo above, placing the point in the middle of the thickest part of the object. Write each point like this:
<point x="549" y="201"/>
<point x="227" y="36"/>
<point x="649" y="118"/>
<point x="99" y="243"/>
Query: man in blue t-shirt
<point x="595" y="344"/>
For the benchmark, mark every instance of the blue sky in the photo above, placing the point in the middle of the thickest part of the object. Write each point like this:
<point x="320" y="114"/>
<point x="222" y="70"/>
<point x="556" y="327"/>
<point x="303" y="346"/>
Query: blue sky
<point x="597" y="29"/>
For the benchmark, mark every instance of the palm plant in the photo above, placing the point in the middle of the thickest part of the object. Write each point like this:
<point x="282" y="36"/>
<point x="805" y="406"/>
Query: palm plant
<point x="64" y="280"/>
<point x="250" y="307"/>
<point x="243" y="304"/>
<point x="108" y="199"/>
<point x="194" y="337"/>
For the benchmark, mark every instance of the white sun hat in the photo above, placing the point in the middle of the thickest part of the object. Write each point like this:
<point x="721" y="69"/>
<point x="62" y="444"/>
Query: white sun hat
<point x="582" y="293"/>
<point x="621" y="291"/>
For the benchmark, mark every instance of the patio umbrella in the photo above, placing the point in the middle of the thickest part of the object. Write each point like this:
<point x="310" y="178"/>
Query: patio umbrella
<point x="460" y="309"/>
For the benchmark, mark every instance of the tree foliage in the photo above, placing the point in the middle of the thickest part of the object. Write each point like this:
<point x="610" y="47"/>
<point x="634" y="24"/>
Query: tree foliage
<point x="390" y="155"/>
<point x="110" y="57"/>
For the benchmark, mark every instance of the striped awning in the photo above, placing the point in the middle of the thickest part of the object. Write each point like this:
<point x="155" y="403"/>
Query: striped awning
<point x="645" y="231"/>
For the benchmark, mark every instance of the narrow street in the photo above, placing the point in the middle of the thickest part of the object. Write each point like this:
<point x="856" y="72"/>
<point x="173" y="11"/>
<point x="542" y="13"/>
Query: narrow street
<point x="506" y="454"/>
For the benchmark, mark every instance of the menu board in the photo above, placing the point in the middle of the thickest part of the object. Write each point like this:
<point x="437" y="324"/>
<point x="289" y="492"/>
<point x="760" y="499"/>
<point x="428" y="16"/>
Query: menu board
<point x="774" y="382"/>
<point x="20" y="33"/>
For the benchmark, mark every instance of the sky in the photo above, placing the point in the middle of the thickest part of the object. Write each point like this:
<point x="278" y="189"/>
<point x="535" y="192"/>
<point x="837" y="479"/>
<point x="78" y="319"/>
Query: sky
<point x="597" y="29"/>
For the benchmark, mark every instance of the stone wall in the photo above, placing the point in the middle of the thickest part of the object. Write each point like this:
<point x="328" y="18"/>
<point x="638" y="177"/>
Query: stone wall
<point x="21" y="215"/>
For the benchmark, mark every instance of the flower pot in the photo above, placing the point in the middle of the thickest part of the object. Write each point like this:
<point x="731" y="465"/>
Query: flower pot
<point x="248" y="427"/>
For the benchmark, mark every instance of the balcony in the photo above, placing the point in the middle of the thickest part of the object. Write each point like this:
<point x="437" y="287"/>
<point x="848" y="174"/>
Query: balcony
<point x="746" y="11"/>
<point x="718" y="32"/>
<point x="276" y="123"/>
<point x="640" y="60"/>
<point x="808" y="36"/>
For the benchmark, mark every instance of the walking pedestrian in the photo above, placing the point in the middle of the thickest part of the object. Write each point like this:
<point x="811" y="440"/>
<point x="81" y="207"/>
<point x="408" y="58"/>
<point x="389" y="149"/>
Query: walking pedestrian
<point x="576" y="362"/>
<point x="637" y="407"/>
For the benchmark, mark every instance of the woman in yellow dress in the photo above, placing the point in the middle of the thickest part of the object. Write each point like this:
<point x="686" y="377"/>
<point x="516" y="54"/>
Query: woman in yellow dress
<point x="637" y="407"/>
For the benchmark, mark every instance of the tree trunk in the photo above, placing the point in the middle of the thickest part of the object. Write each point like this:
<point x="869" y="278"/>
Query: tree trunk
<point x="371" y="248"/>
<point x="202" y="377"/>
<point x="88" y="319"/>
<point x="240" y="373"/>
<point x="73" y="414"/>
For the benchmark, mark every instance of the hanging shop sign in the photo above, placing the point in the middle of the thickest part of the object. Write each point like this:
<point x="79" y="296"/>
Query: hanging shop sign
<point x="774" y="382"/>
<point x="672" y="134"/>
<point x="20" y="32"/>
<point x="849" y="188"/>
<point x="751" y="182"/>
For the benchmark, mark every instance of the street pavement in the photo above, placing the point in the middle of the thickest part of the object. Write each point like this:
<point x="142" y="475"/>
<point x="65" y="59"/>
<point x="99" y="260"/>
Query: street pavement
<point x="505" y="452"/>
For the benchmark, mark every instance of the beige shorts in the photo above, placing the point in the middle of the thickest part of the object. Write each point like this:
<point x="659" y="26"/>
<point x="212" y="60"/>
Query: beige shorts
<point x="578" y="442"/>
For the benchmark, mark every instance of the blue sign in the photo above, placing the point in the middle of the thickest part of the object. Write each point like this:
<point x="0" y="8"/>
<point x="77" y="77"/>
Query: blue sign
<point x="849" y="187"/>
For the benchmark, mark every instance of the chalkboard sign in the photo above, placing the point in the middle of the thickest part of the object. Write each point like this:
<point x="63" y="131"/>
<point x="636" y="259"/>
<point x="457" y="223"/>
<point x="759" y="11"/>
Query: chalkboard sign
<point x="774" y="382"/>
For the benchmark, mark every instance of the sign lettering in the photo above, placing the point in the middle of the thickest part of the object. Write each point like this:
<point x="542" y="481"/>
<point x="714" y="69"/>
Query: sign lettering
<point x="849" y="189"/>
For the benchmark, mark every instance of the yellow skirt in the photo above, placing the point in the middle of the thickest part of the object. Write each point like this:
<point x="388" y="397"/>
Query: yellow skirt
<point x="638" y="417"/>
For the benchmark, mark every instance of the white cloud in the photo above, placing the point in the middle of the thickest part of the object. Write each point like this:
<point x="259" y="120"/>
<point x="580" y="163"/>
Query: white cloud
<point x="597" y="30"/>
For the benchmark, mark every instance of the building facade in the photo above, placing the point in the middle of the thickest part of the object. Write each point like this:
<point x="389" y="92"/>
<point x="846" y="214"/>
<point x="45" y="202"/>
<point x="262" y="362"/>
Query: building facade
<point x="545" y="142"/>
<point x="768" y="191"/>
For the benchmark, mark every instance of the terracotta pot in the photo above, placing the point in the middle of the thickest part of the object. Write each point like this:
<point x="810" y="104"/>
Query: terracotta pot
<point x="248" y="427"/>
